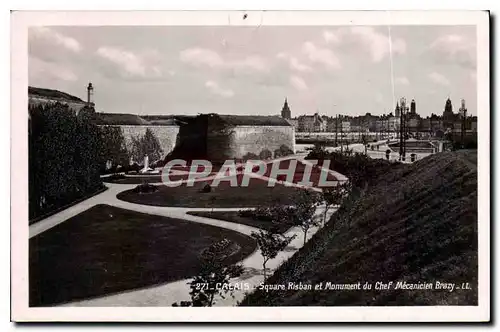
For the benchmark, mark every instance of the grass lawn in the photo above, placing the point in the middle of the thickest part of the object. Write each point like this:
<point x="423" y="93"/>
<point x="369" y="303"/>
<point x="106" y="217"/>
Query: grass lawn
<point x="299" y="172"/>
<point x="256" y="194"/>
<point x="106" y="250"/>
<point x="233" y="216"/>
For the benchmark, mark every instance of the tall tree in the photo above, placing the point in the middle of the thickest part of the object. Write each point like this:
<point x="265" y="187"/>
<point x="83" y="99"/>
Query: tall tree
<point x="147" y="145"/>
<point x="113" y="146"/>
<point x="64" y="154"/>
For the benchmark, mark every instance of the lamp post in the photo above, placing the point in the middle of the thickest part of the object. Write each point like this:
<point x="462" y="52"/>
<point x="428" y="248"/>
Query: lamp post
<point x="403" y="128"/>
<point x="463" y="114"/>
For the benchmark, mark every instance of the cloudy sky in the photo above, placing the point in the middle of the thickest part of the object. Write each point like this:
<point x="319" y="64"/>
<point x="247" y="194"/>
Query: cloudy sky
<point x="250" y="70"/>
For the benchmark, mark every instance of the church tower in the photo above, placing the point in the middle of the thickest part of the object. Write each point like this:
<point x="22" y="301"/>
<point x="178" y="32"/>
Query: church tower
<point x="285" y="111"/>
<point x="397" y="111"/>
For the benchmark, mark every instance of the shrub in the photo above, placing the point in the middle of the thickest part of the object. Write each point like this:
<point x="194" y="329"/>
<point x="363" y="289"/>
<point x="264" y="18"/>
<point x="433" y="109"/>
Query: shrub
<point x="116" y="177"/>
<point x="282" y="151"/>
<point x="206" y="188"/>
<point x="145" y="188"/>
<point x="134" y="168"/>
<point x="265" y="154"/>
<point x="250" y="156"/>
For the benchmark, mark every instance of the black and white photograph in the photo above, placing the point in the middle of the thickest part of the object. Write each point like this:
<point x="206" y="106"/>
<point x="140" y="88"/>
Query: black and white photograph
<point x="247" y="159"/>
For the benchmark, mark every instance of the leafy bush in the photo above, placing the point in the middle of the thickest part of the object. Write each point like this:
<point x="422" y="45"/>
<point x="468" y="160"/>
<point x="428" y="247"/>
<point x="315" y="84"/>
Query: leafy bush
<point x="265" y="154"/>
<point x="206" y="188"/>
<point x="358" y="166"/>
<point x="145" y="188"/>
<point x="113" y="147"/>
<point x="134" y="168"/>
<point x="147" y="145"/>
<point x="282" y="151"/>
<point x="250" y="156"/>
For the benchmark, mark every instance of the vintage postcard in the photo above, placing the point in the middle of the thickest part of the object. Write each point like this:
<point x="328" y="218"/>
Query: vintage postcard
<point x="274" y="166"/>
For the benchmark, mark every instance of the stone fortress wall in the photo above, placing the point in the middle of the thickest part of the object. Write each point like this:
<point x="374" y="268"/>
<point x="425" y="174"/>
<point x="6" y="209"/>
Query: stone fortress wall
<point x="254" y="139"/>
<point x="166" y="134"/>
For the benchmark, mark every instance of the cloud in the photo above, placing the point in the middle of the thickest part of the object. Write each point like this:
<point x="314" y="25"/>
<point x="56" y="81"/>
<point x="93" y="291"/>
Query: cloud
<point x="50" y="36"/>
<point x="331" y="37"/>
<point x="321" y="55"/>
<point x="402" y="80"/>
<point x="217" y="90"/>
<point x="438" y="78"/>
<point x="130" y="64"/>
<point x="451" y="43"/>
<point x="378" y="43"/>
<point x="298" y="83"/>
<point x="250" y="63"/>
<point x="38" y="69"/>
<point x="201" y="57"/>
<point x="294" y="63"/>
<point x="456" y="48"/>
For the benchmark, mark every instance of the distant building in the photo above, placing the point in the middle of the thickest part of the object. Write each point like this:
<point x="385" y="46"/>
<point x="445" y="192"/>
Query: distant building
<point x="356" y="128"/>
<point x="394" y="123"/>
<point x="413" y="124"/>
<point x="294" y="123"/>
<point x="397" y="110"/>
<point x="332" y="124"/>
<point x="413" y="107"/>
<point x="346" y="126"/>
<point x="449" y="118"/>
<point x="311" y="123"/>
<point x="285" y="111"/>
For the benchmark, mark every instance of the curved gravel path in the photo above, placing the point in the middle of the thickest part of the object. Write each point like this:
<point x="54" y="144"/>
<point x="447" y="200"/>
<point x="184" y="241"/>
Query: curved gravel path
<point x="167" y="294"/>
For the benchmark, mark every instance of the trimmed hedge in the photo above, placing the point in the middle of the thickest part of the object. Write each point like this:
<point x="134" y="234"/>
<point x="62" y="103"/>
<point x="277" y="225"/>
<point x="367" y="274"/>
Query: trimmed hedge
<point x="65" y="154"/>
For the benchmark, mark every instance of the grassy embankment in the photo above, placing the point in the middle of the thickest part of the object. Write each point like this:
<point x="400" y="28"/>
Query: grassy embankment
<point x="413" y="223"/>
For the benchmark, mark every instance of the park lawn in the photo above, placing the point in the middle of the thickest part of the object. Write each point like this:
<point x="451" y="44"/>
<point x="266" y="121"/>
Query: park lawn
<point x="224" y="195"/>
<point x="106" y="250"/>
<point x="299" y="172"/>
<point x="234" y="217"/>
